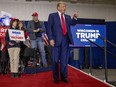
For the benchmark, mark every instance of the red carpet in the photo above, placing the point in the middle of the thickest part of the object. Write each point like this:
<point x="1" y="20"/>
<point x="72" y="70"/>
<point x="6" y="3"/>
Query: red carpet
<point x="76" y="79"/>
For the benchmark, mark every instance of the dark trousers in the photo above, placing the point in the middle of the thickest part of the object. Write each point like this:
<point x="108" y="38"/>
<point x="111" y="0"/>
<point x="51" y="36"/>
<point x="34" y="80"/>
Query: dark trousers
<point x="4" y="62"/>
<point x="60" y="53"/>
<point x="4" y="65"/>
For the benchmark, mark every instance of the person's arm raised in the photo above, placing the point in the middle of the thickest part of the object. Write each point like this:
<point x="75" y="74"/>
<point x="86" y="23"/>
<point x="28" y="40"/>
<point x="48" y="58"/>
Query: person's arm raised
<point x="74" y="21"/>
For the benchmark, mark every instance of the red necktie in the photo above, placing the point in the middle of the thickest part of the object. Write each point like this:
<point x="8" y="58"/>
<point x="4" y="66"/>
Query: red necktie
<point x="63" y="25"/>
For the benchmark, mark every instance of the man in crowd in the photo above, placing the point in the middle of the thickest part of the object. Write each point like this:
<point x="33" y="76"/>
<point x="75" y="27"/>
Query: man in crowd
<point x="59" y="35"/>
<point x="35" y="29"/>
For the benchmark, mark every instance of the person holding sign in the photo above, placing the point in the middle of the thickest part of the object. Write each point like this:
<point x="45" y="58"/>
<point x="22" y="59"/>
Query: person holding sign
<point x="60" y="37"/>
<point x="13" y="50"/>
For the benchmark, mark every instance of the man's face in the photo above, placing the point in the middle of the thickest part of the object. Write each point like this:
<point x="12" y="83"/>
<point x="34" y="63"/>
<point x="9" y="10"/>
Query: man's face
<point x="62" y="8"/>
<point x="35" y="18"/>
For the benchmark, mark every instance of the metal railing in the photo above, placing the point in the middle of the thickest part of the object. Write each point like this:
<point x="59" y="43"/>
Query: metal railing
<point x="105" y="54"/>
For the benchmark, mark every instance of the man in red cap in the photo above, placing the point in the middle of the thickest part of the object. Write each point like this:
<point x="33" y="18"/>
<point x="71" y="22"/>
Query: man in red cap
<point x="35" y="29"/>
<point x="35" y="14"/>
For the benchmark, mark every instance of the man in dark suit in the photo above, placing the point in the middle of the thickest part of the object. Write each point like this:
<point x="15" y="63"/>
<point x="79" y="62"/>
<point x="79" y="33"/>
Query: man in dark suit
<point x="60" y="37"/>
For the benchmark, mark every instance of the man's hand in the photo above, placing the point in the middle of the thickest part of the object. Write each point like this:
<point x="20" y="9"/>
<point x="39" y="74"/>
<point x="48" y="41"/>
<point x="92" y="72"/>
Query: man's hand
<point x="17" y="41"/>
<point x="11" y="44"/>
<point x="52" y="43"/>
<point x="75" y="15"/>
<point x="29" y="45"/>
<point x="36" y="30"/>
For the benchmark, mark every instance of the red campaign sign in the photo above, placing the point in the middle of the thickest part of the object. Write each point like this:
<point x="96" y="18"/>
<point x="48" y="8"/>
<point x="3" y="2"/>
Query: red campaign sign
<point x="3" y="31"/>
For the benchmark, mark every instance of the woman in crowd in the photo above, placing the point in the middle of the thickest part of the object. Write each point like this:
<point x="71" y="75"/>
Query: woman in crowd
<point x="21" y="27"/>
<point x="13" y="50"/>
<point x="24" y="44"/>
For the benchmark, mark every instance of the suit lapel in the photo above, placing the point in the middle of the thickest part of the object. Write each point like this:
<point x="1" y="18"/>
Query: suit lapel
<point x="59" y="21"/>
<point x="66" y="20"/>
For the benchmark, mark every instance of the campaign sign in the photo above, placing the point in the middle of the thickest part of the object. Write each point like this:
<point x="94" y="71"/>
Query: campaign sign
<point x="3" y="31"/>
<point x="82" y="32"/>
<point x="16" y="35"/>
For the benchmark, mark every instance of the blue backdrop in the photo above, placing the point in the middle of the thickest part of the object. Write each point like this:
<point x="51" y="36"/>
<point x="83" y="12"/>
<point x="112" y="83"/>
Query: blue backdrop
<point x="90" y="31"/>
<point x="97" y="53"/>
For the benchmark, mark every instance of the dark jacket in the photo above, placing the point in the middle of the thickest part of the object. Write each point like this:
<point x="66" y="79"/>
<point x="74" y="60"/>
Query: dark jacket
<point x="7" y="40"/>
<point x="54" y="30"/>
<point x="31" y="27"/>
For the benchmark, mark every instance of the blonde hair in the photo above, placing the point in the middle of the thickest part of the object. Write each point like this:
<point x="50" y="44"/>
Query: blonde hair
<point x="59" y="3"/>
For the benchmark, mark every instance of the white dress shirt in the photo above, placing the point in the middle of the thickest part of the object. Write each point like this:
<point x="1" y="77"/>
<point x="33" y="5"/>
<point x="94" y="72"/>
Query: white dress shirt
<point x="63" y="17"/>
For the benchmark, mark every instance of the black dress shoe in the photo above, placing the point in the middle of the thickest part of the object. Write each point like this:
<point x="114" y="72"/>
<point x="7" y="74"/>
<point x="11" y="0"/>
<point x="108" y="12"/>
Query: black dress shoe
<point x="12" y="75"/>
<point x="56" y="81"/>
<point x="65" y="80"/>
<point x="3" y="73"/>
<point x="17" y="75"/>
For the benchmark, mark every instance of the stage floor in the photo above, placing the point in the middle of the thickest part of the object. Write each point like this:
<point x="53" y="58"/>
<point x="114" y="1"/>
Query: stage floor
<point x="99" y="73"/>
<point x="77" y="78"/>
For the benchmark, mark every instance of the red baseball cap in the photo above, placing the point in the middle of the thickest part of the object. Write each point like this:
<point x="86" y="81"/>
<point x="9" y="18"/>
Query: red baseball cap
<point x="35" y="14"/>
<point x="14" y="19"/>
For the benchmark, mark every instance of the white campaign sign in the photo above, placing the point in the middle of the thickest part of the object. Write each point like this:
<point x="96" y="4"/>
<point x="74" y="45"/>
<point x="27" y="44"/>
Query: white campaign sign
<point x="16" y="35"/>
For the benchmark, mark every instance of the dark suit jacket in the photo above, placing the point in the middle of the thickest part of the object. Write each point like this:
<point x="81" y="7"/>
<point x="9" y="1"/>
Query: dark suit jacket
<point x="54" y="30"/>
<point x="31" y="27"/>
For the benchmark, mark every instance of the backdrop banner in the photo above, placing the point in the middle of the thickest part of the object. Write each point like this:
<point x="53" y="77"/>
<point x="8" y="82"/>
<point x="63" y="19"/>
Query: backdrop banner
<point x="3" y="31"/>
<point x="82" y="32"/>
